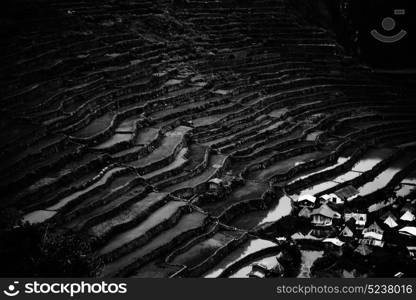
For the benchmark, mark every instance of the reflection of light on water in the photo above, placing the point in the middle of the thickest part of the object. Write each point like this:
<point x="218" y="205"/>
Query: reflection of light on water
<point x="252" y="247"/>
<point x="409" y="180"/>
<point x="371" y="159"/>
<point x="298" y="163"/>
<point x="308" y="259"/>
<point x="340" y="161"/>
<point x="242" y="273"/>
<point x="384" y="177"/>
<point x="115" y="139"/>
<point x="281" y="210"/>
<point x="379" y="182"/>
<point x="346" y="176"/>
<point x="366" y="164"/>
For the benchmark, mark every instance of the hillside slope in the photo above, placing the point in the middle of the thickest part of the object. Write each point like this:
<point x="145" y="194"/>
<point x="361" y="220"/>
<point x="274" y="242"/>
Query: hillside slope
<point x="115" y="116"/>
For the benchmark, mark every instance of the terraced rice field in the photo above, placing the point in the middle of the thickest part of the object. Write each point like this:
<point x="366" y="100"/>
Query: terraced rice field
<point x="122" y="139"/>
<point x="246" y="249"/>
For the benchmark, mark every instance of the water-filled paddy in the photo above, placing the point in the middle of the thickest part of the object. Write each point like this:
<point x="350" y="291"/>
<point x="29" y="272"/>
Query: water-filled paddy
<point x="253" y="219"/>
<point x="249" y="247"/>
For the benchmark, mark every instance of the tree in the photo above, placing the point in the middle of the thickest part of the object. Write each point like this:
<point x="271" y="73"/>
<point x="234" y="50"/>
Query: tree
<point x="33" y="251"/>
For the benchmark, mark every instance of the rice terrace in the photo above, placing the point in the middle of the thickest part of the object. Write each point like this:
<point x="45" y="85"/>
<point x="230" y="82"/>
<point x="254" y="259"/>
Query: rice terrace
<point x="200" y="138"/>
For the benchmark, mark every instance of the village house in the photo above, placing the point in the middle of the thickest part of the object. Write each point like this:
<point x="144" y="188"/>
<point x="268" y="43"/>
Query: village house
<point x="373" y="235"/>
<point x="215" y="185"/>
<point x="306" y="201"/>
<point x="360" y="219"/>
<point x="259" y="270"/>
<point x="320" y="232"/>
<point x="347" y="193"/>
<point x="334" y="241"/>
<point x="408" y="216"/>
<point x="389" y="219"/>
<point x="347" y="232"/>
<point x="372" y="242"/>
<point x="391" y="222"/>
<point x="412" y="252"/>
<point x="302" y="236"/>
<point x="256" y="274"/>
<point x="331" y="198"/>
<point x="222" y="186"/>
<point x="408" y="231"/>
<point x="323" y="216"/>
<point x="373" y="232"/>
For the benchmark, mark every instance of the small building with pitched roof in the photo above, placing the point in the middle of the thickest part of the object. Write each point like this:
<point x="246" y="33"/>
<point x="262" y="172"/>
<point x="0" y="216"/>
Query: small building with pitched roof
<point x="306" y="201"/>
<point x="412" y="252"/>
<point x="408" y="216"/>
<point x="409" y="231"/>
<point x="347" y="232"/>
<point x="347" y="193"/>
<point x="373" y="232"/>
<point x="390" y="222"/>
<point x="332" y="198"/>
<point x="360" y="219"/>
<point x="334" y="241"/>
<point x="323" y="216"/>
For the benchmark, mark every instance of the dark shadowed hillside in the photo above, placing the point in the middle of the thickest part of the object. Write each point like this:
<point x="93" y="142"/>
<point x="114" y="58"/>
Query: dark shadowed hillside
<point x="353" y="20"/>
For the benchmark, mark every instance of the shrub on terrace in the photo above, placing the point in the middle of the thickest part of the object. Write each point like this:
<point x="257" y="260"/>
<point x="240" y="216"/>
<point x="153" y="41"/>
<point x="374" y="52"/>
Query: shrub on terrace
<point x="289" y="225"/>
<point x="323" y="263"/>
<point x="33" y="251"/>
<point x="390" y="260"/>
<point x="290" y="261"/>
